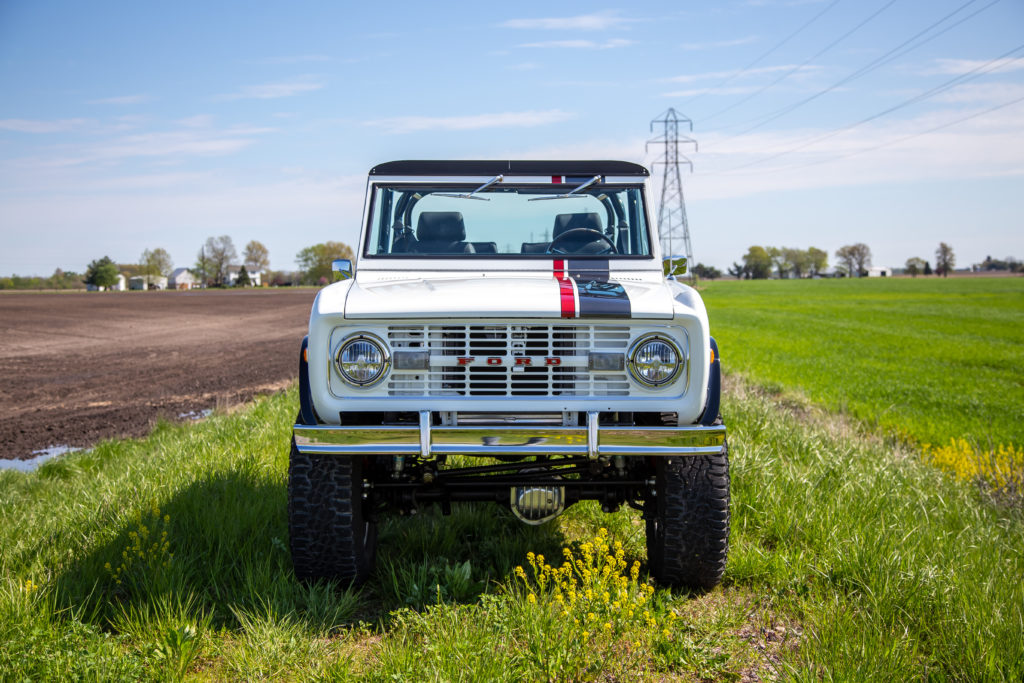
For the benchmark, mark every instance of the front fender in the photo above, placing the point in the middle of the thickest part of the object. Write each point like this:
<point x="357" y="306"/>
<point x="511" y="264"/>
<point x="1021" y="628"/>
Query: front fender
<point x="307" y="414"/>
<point x="713" y="403"/>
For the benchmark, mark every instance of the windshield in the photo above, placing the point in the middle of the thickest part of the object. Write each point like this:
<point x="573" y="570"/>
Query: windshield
<point x="432" y="221"/>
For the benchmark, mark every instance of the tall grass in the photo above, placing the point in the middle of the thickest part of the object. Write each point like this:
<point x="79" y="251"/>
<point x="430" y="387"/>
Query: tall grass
<point x="934" y="361"/>
<point x="849" y="561"/>
<point x="930" y="358"/>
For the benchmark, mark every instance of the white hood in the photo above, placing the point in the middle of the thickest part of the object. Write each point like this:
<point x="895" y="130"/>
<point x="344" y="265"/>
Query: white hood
<point x="561" y="295"/>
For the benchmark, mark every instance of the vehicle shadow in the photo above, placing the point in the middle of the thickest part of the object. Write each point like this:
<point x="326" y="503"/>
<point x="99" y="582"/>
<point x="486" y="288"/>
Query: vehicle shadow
<point x="218" y="547"/>
<point x="430" y="557"/>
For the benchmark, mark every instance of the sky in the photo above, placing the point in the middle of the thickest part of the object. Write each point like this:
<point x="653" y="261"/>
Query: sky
<point x="126" y="126"/>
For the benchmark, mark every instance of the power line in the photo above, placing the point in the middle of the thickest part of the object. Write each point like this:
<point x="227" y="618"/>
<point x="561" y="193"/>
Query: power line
<point x="902" y="139"/>
<point x="942" y="87"/>
<point x="770" y="50"/>
<point x="803" y="63"/>
<point x="874" y="64"/>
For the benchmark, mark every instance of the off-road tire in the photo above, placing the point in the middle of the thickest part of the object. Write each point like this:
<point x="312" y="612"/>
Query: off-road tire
<point x="330" y="537"/>
<point x="688" y="532"/>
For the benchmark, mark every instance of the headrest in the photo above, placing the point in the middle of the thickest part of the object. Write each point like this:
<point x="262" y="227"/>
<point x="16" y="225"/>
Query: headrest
<point x="535" y="247"/>
<point x="440" y="226"/>
<point x="571" y="221"/>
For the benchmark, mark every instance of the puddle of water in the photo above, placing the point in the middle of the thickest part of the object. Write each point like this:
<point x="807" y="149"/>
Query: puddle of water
<point x="196" y="414"/>
<point x="39" y="457"/>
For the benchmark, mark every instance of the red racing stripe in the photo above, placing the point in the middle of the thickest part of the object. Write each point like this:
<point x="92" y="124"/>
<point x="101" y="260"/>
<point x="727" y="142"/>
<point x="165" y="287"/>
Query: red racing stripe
<point x="565" y="290"/>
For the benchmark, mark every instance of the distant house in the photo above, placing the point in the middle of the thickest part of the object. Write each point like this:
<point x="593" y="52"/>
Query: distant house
<point x="118" y="286"/>
<point x="182" y="278"/>
<point x="880" y="271"/>
<point x="831" y="271"/>
<point x="138" y="283"/>
<point x="254" y="277"/>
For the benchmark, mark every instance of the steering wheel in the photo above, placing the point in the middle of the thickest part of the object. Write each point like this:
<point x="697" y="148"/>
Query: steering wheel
<point x="580" y="239"/>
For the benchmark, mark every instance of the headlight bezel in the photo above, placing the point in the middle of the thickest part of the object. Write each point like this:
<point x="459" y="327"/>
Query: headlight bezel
<point x="637" y="346"/>
<point x="381" y="347"/>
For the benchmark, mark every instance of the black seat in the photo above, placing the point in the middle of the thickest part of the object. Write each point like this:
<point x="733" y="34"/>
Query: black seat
<point x="571" y="221"/>
<point x="534" y="248"/>
<point x="484" y="247"/>
<point x="442" y="232"/>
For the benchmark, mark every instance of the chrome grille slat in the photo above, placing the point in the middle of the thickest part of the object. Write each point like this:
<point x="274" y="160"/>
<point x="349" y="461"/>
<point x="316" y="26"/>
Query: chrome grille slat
<point x="447" y="342"/>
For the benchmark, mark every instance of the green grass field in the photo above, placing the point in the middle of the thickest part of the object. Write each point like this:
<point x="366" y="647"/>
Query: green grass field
<point x="927" y="359"/>
<point x="849" y="561"/>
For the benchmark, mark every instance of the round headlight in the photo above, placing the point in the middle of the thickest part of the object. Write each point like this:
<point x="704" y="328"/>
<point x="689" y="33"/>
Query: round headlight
<point x="363" y="360"/>
<point x="654" y="361"/>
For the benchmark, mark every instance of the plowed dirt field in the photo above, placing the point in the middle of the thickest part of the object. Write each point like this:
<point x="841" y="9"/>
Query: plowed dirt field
<point x="76" y="368"/>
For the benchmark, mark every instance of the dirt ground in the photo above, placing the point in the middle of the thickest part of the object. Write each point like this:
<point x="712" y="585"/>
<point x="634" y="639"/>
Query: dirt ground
<point x="76" y="368"/>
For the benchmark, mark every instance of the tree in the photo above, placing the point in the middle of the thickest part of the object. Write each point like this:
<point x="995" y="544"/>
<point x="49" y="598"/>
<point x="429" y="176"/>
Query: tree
<point x="219" y="252"/>
<point x="817" y="261"/>
<point x="927" y="268"/>
<point x="799" y="260"/>
<point x="706" y="272"/>
<point x="203" y="268"/>
<point x="101" y="273"/>
<point x="243" y="277"/>
<point x="758" y="263"/>
<point x="945" y="259"/>
<point x="315" y="261"/>
<point x="737" y="271"/>
<point x="256" y="257"/>
<point x="915" y="265"/>
<point x="856" y="258"/>
<point x="153" y="264"/>
<point x="780" y="261"/>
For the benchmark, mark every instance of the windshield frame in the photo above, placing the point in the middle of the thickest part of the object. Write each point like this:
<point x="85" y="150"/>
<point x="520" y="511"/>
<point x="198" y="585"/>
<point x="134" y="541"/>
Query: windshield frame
<point x="537" y="185"/>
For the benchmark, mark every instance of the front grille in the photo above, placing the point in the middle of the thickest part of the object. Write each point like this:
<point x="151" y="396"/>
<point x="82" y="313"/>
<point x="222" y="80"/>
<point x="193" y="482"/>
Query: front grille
<point x="569" y="344"/>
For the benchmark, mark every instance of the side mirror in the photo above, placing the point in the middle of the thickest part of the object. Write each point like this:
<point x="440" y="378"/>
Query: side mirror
<point x="675" y="266"/>
<point x="343" y="267"/>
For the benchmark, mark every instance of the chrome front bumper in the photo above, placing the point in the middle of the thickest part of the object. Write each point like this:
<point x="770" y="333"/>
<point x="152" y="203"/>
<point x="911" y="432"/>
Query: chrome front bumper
<point x="426" y="441"/>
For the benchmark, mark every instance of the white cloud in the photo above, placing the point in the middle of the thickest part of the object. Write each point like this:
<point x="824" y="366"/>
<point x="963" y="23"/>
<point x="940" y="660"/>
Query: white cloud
<point x="718" y="44"/>
<point x="123" y="99"/>
<point x="270" y="91"/>
<point x="992" y="93"/>
<point x="161" y="146"/>
<point x="515" y="119"/>
<point x="693" y="78"/>
<point x="599" y="21"/>
<point x="37" y="126"/>
<point x="170" y="144"/>
<point x="197" y="121"/>
<point x="582" y="44"/>
<point x="962" y="66"/>
<point x="885" y="152"/>
<point x="123" y="216"/>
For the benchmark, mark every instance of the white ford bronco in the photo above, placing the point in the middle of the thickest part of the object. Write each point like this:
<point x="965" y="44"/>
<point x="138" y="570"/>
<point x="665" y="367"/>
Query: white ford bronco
<point x="507" y="334"/>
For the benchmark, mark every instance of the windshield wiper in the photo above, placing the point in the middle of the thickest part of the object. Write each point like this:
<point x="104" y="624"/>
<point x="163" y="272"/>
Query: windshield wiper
<point x="471" y="195"/>
<point x="571" y="193"/>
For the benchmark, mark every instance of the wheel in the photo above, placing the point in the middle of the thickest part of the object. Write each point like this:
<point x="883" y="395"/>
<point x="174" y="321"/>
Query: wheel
<point x="329" y="535"/>
<point x="688" y="532"/>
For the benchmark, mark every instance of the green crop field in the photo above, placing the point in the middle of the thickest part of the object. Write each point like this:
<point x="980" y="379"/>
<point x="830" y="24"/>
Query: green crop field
<point x="929" y="360"/>
<point x="165" y="558"/>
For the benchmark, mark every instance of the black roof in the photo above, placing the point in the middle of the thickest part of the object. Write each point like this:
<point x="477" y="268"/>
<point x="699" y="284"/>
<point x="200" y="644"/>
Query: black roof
<point x="438" y="167"/>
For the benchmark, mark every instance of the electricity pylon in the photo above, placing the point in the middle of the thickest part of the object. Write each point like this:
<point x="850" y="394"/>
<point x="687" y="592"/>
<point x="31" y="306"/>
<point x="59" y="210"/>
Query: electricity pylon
<point x="672" y="224"/>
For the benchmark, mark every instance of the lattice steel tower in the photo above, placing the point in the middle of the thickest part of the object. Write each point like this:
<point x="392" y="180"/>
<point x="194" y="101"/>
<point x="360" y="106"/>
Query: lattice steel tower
<point x="672" y="224"/>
